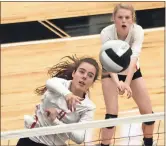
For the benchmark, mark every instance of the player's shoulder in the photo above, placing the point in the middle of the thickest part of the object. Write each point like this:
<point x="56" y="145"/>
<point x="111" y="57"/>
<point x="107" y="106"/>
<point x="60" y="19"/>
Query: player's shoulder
<point x="89" y="104"/>
<point x="108" y="28"/>
<point x="86" y="105"/>
<point x="137" y="28"/>
<point x="58" y="80"/>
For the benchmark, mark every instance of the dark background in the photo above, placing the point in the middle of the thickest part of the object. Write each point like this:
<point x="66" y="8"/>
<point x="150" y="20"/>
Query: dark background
<point x="76" y="26"/>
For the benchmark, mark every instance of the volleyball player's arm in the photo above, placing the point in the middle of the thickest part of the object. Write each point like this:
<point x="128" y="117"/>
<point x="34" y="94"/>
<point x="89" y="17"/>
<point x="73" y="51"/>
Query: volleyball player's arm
<point x="136" y="50"/>
<point x="80" y="136"/>
<point x="104" y="36"/>
<point x="114" y="77"/>
<point x="56" y="85"/>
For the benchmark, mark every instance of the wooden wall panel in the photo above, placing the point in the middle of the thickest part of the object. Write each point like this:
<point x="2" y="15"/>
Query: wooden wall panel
<point x="12" y="12"/>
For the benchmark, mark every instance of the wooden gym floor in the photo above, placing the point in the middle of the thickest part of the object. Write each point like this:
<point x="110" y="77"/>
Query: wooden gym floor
<point x="24" y="67"/>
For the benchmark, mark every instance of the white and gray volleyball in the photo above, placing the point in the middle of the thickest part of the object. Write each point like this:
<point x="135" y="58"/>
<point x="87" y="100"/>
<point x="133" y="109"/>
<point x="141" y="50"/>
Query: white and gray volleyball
<point x="115" y="56"/>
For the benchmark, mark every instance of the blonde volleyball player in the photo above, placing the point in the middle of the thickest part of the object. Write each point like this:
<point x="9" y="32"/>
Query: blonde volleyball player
<point x="67" y="88"/>
<point x="125" y="28"/>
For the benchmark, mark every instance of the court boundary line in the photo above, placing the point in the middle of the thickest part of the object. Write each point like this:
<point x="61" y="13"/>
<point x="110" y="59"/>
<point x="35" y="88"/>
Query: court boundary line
<point x="65" y="39"/>
<point x="129" y="111"/>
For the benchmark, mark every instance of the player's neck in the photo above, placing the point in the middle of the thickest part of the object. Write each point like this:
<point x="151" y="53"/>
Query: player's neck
<point x="122" y="36"/>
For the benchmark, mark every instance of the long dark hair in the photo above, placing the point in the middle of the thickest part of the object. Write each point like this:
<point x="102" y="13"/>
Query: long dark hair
<point x="64" y="69"/>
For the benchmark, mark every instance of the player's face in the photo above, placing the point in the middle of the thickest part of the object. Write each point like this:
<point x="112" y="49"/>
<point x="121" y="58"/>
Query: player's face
<point x="84" y="76"/>
<point x="123" y="20"/>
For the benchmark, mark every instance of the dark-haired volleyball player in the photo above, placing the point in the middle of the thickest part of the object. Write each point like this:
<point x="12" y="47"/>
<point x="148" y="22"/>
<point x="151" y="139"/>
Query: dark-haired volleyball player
<point x="67" y="89"/>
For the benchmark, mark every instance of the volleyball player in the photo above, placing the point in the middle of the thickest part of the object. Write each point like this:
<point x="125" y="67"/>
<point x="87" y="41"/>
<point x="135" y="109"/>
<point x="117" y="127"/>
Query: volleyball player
<point x="65" y="100"/>
<point x="125" y="28"/>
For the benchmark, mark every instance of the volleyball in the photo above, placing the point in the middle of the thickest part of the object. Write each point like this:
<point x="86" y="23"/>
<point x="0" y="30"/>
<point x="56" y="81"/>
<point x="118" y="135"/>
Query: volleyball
<point x="115" y="56"/>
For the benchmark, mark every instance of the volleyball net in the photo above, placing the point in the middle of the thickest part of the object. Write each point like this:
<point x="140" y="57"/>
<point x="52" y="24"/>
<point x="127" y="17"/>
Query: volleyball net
<point x="128" y="130"/>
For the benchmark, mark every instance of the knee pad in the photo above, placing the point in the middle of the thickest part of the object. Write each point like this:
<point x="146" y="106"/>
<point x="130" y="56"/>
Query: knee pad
<point x="109" y="116"/>
<point x="150" y="122"/>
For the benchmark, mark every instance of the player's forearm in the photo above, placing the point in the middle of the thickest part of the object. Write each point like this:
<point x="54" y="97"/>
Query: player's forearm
<point x="78" y="136"/>
<point x="114" y="77"/>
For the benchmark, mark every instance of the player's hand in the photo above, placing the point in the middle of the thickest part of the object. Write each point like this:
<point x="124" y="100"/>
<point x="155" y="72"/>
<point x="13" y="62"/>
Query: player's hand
<point x="128" y="90"/>
<point x="120" y="88"/>
<point x="51" y="113"/>
<point x="123" y="87"/>
<point x="72" y="100"/>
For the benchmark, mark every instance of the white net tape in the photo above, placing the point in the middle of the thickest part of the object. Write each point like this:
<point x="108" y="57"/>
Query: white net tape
<point x="80" y="126"/>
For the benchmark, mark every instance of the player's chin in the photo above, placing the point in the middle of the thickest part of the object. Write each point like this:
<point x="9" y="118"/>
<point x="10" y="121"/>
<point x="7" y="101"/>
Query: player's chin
<point x="81" y="88"/>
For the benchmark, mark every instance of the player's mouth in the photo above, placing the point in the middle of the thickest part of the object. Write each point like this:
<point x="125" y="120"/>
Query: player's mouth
<point x="81" y="83"/>
<point x="124" y="26"/>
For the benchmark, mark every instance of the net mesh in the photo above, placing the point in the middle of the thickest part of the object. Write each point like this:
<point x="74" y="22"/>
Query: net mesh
<point x="131" y="134"/>
<point x="128" y="131"/>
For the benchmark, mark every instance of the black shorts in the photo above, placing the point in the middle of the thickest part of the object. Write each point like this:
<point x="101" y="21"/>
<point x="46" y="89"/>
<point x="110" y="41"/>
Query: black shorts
<point x="28" y="142"/>
<point x="136" y="75"/>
